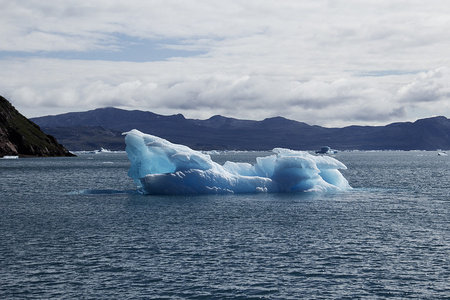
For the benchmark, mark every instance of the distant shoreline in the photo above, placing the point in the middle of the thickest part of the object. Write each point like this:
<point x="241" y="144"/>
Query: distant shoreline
<point x="103" y="127"/>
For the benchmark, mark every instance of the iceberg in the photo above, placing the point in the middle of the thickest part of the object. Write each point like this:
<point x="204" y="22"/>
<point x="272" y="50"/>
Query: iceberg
<point x="161" y="167"/>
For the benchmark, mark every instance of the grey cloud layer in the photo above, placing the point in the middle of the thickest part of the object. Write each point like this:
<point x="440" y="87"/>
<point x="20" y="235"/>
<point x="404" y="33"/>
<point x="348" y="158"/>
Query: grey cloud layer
<point x="300" y="59"/>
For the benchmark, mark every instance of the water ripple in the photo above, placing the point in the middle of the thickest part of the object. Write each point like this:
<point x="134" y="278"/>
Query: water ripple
<point x="387" y="238"/>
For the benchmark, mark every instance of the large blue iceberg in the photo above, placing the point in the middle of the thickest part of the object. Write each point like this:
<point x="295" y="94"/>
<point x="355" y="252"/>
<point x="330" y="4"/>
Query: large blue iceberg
<point x="160" y="167"/>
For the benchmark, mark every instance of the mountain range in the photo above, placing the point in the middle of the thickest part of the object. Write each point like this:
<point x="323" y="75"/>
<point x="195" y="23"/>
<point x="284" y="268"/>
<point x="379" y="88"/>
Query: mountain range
<point x="103" y="127"/>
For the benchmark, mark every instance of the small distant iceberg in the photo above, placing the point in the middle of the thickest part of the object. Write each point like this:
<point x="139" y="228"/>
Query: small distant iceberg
<point x="102" y="150"/>
<point x="10" y="157"/>
<point x="326" y="150"/>
<point x="160" y="167"/>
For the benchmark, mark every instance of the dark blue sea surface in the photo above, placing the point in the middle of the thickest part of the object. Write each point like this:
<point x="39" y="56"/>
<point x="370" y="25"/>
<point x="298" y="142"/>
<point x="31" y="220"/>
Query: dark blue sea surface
<point x="75" y="228"/>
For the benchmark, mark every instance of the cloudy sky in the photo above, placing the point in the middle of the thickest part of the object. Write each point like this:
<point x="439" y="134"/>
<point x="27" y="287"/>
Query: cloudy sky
<point x="323" y="62"/>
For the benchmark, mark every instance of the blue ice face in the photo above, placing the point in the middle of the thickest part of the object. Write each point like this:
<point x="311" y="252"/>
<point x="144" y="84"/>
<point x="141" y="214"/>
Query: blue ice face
<point x="160" y="167"/>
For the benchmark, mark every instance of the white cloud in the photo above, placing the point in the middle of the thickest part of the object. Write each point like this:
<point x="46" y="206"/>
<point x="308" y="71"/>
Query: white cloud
<point x="69" y="85"/>
<point x="305" y="60"/>
<point x="432" y="86"/>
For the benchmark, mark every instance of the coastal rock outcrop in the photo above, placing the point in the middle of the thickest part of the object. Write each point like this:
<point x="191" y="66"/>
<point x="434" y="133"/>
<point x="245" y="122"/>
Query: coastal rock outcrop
<point x="21" y="137"/>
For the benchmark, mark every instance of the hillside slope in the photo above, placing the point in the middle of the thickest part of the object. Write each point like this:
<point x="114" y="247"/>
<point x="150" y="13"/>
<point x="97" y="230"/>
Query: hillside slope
<point x="21" y="137"/>
<point x="220" y="132"/>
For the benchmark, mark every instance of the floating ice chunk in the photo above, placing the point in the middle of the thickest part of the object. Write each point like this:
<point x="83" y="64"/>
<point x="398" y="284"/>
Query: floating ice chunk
<point x="160" y="167"/>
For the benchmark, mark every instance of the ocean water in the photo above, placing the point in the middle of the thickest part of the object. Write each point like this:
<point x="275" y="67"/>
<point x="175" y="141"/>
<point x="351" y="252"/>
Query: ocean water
<point x="75" y="228"/>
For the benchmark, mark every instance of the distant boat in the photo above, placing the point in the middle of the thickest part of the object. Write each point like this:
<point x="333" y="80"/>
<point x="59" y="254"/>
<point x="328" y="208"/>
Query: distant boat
<point x="442" y="153"/>
<point x="326" y="150"/>
<point x="10" y="157"/>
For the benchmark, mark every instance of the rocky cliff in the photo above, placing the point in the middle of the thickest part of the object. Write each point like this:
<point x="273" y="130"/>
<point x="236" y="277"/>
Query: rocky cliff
<point x="21" y="137"/>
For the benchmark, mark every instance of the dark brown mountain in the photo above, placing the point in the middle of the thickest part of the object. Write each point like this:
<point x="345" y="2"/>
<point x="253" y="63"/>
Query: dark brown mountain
<point x="21" y="137"/>
<point x="103" y="127"/>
